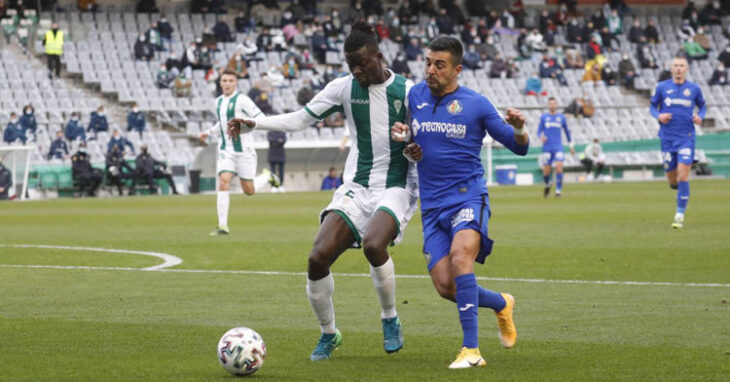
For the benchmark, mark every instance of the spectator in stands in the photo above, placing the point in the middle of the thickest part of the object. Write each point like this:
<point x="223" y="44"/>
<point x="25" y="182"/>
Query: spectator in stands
<point x="154" y="38"/>
<point x="686" y="31"/>
<point x="626" y="71"/>
<point x="59" y="148"/>
<point x="396" y="31"/>
<point x="645" y="54"/>
<point x="432" y="28"/>
<point x="413" y="50"/>
<point x="702" y="39"/>
<point x="53" y="43"/>
<point x="445" y="22"/>
<point x="277" y="155"/>
<point x="83" y="173"/>
<point x="693" y="50"/>
<point x="28" y="121"/>
<point x="574" y="32"/>
<point x="172" y="63"/>
<point x="581" y="106"/>
<point x="331" y="181"/>
<point x="98" y="121"/>
<point x="615" y="24"/>
<point x="118" y="170"/>
<point x="189" y="59"/>
<point x="142" y="49"/>
<point x="207" y="39"/>
<point x="608" y="75"/>
<point x="278" y="41"/>
<point x="73" y="131"/>
<point x="499" y="68"/>
<point x="594" y="49"/>
<point x="688" y="9"/>
<point x="508" y="20"/>
<point x="149" y="169"/>
<point x="242" y="23"/>
<point x="164" y="77"/>
<point x="598" y="20"/>
<point x="136" y="120"/>
<point x="408" y="12"/>
<point x="264" y="40"/>
<point x="14" y="131"/>
<point x="651" y="33"/>
<point x="400" y="66"/>
<point x="290" y="69"/>
<point x="534" y="86"/>
<point x="609" y="39"/>
<point x="587" y="32"/>
<point x="472" y="60"/>
<point x="593" y="154"/>
<point x="6" y="181"/>
<point x="724" y="56"/>
<point x="535" y="41"/>
<point x="592" y="73"/>
<point x="205" y="58"/>
<point x="574" y="58"/>
<point x="207" y="6"/>
<point x="117" y="140"/>
<point x="636" y="32"/>
<point x="468" y="33"/>
<point x="183" y="85"/>
<point x="719" y="76"/>
<point x="666" y="73"/>
<point x="712" y="13"/>
<point x="550" y="69"/>
<point x="238" y="64"/>
<point x="147" y="6"/>
<point x="488" y="49"/>
<point x="165" y="29"/>
<point x="222" y="31"/>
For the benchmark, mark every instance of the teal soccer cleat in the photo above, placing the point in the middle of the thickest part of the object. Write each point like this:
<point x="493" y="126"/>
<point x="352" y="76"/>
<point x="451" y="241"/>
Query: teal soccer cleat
<point x="326" y="346"/>
<point x="392" y="334"/>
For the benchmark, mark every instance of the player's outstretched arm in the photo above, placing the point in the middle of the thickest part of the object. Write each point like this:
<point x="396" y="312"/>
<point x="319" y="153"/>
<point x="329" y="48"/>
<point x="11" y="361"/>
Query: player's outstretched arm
<point x="289" y="122"/>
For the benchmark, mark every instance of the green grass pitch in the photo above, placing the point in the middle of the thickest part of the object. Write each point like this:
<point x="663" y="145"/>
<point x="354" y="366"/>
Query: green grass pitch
<point x="132" y="325"/>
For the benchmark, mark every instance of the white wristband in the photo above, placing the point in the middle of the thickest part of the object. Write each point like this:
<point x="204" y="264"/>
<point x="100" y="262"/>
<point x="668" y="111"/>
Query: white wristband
<point x="520" y="131"/>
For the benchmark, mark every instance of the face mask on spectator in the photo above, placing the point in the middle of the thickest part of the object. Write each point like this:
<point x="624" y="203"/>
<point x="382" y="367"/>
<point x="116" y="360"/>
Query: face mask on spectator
<point x="14" y="120"/>
<point x="335" y="14"/>
<point x="135" y="109"/>
<point x="74" y="118"/>
<point x="28" y="111"/>
<point x="100" y="113"/>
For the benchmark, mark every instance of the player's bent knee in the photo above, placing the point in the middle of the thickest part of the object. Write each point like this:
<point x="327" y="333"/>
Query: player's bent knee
<point x="318" y="260"/>
<point x="673" y="186"/>
<point x="460" y="260"/>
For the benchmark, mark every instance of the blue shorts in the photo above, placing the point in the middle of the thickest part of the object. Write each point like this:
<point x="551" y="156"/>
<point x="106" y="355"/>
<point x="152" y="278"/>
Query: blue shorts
<point x="677" y="151"/>
<point x="549" y="157"/>
<point x="441" y="224"/>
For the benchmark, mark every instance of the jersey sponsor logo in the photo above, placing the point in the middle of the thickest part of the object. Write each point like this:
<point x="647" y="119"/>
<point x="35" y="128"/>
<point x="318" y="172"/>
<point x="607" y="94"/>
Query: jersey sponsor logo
<point x="678" y="101"/>
<point x="553" y="124"/>
<point x="670" y="91"/>
<point x="687" y="92"/>
<point x="397" y="104"/>
<point x="359" y="101"/>
<point x="451" y="130"/>
<point x="455" y="107"/>
<point x="421" y="106"/>
<point x="465" y="215"/>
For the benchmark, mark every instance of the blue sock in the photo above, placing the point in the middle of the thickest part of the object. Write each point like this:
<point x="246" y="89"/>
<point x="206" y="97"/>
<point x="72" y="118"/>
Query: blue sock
<point x="682" y="196"/>
<point x="492" y="300"/>
<point x="467" y="301"/>
<point x="546" y="179"/>
<point x="559" y="182"/>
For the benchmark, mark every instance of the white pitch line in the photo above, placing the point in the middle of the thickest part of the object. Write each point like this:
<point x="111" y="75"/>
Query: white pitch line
<point x="169" y="260"/>
<point x="366" y="275"/>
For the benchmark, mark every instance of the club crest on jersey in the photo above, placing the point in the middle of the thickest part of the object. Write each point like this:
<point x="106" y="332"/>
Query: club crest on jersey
<point x="687" y="92"/>
<point x="455" y="107"/>
<point x="397" y="104"/>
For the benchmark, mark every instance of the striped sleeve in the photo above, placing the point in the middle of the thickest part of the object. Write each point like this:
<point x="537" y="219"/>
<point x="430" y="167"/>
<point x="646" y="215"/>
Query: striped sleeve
<point x="329" y="100"/>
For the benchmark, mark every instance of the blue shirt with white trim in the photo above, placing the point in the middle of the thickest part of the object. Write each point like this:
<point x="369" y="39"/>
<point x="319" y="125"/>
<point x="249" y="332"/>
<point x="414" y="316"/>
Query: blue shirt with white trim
<point x="679" y="100"/>
<point x="552" y="127"/>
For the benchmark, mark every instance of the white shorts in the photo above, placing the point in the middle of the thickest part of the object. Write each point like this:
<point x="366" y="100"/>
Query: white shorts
<point x="242" y="164"/>
<point x="357" y="205"/>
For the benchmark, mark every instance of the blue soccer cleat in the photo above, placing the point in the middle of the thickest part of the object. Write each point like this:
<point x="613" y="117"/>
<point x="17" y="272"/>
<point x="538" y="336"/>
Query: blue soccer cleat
<point x="392" y="334"/>
<point x="327" y="344"/>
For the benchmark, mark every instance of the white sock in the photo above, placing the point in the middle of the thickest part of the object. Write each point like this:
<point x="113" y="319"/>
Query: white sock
<point x="223" y="201"/>
<point x="320" y="297"/>
<point x="384" y="283"/>
<point x="260" y="181"/>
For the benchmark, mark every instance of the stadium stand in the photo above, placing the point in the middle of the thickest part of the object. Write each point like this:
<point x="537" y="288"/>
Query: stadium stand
<point x="101" y="67"/>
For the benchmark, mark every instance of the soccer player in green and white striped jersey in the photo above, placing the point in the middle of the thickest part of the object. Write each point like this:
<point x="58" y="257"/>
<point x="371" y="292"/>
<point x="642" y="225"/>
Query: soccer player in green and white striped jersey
<point x="372" y="208"/>
<point x="236" y="155"/>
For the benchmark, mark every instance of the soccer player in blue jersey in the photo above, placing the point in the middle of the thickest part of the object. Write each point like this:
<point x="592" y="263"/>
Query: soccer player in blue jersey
<point x="673" y="104"/>
<point x="448" y="125"/>
<point x="550" y="131"/>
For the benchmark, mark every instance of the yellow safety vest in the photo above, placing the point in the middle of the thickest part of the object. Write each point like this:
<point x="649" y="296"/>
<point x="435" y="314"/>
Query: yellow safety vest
<point x="54" y="44"/>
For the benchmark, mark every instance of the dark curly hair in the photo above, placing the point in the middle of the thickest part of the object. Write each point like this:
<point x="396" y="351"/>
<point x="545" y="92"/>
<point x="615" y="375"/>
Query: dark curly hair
<point x="362" y="34"/>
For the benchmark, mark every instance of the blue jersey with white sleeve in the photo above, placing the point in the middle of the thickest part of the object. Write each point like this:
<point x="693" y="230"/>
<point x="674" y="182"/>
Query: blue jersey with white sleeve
<point x="679" y="100"/>
<point x="450" y="131"/>
<point x="552" y="127"/>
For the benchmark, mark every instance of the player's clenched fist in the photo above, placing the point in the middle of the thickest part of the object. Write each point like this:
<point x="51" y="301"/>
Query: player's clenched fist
<point x="400" y="132"/>
<point x="413" y="152"/>
<point x="665" y="117"/>
<point x="515" y="118"/>
<point x="238" y="126"/>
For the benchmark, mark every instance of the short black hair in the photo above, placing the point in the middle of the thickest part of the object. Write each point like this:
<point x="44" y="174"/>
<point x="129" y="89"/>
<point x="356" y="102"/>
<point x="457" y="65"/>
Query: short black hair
<point x="449" y="44"/>
<point x="552" y="99"/>
<point x="362" y="34"/>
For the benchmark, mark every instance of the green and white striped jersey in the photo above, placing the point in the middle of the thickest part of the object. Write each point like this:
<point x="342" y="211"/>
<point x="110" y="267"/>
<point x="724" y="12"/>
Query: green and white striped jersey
<point x="375" y="161"/>
<point x="236" y="106"/>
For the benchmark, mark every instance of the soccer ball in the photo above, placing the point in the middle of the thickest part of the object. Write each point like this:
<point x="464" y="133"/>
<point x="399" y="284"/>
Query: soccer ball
<point x="241" y="351"/>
